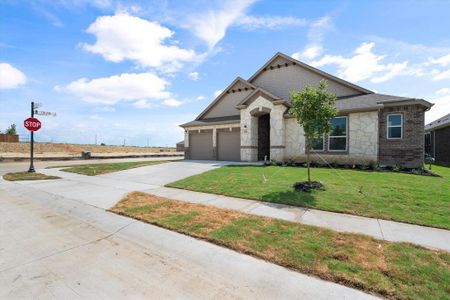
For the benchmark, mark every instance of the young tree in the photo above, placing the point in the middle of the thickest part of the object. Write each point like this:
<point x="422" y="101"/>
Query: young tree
<point x="313" y="107"/>
<point x="11" y="129"/>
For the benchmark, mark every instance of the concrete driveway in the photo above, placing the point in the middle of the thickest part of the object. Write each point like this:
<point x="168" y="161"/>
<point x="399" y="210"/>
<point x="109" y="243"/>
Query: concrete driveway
<point x="57" y="241"/>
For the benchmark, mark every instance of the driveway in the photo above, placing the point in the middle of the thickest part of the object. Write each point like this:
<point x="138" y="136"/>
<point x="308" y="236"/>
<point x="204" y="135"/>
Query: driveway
<point x="57" y="241"/>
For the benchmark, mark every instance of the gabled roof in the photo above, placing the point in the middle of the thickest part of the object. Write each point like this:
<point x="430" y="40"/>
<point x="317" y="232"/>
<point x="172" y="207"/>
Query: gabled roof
<point x="213" y="121"/>
<point x="310" y="68"/>
<point x="256" y="93"/>
<point x="218" y="98"/>
<point x="439" y="123"/>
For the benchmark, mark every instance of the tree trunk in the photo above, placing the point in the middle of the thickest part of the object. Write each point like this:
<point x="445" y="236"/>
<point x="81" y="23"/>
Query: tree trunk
<point x="308" y="163"/>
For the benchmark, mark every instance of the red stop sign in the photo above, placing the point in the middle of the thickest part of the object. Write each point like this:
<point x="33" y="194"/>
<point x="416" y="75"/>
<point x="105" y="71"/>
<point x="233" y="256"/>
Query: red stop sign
<point x="32" y="124"/>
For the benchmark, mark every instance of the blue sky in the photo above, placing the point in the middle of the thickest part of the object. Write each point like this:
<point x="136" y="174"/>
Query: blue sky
<point x="135" y="70"/>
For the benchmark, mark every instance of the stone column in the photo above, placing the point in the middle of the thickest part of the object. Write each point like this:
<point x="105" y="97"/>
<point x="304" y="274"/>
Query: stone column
<point x="214" y="143"/>
<point x="249" y="136"/>
<point x="187" y="152"/>
<point x="277" y="134"/>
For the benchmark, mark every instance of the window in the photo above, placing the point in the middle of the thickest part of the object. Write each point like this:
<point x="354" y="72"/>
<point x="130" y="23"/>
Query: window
<point x="394" y="126"/>
<point x="317" y="143"/>
<point x="337" y="141"/>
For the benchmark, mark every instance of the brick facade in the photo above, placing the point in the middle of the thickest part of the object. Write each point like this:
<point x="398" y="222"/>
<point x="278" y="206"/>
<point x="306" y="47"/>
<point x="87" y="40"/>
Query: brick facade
<point x="442" y="145"/>
<point x="409" y="150"/>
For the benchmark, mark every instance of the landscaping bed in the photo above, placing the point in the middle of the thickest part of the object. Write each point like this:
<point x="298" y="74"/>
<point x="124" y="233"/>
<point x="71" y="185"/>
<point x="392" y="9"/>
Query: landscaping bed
<point x="392" y="270"/>
<point x="423" y="200"/>
<point x="98" y="169"/>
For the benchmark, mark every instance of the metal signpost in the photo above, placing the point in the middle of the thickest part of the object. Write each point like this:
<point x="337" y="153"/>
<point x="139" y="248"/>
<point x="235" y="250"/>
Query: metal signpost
<point x="33" y="124"/>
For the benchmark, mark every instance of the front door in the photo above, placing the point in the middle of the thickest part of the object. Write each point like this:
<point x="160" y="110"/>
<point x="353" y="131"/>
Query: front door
<point x="264" y="137"/>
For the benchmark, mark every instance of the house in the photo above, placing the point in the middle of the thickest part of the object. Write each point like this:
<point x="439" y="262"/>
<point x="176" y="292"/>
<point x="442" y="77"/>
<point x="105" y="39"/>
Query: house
<point x="437" y="140"/>
<point x="249" y="121"/>
<point x="180" y="146"/>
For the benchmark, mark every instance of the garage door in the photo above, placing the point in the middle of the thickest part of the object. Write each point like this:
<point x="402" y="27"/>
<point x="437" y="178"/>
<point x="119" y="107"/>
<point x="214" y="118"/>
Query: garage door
<point x="201" y="145"/>
<point x="229" y="144"/>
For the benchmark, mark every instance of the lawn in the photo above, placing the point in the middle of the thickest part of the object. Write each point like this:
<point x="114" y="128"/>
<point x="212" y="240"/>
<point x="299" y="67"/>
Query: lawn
<point x="416" y="199"/>
<point x="98" y="169"/>
<point x="27" y="176"/>
<point x="392" y="270"/>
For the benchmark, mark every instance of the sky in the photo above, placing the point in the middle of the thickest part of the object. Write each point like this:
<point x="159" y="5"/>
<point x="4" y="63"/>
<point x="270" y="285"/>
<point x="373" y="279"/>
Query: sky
<point x="117" y="71"/>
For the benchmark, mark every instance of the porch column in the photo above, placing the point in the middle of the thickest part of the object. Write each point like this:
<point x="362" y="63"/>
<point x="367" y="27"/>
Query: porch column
<point x="249" y="136"/>
<point x="277" y="134"/>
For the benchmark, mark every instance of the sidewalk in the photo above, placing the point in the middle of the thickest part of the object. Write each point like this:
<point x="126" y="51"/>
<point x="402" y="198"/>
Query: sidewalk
<point x="94" y="190"/>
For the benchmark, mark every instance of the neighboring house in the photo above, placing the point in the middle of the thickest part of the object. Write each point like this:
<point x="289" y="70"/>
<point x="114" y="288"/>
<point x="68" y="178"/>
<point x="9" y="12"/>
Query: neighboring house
<point x="249" y="121"/>
<point x="437" y="140"/>
<point x="180" y="146"/>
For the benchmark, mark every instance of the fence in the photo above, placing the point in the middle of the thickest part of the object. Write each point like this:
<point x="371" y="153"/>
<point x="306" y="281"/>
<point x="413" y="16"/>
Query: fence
<point x="9" y="138"/>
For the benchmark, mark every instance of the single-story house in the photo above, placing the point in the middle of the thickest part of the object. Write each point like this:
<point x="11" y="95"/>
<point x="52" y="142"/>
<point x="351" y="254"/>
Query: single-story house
<point x="180" y="146"/>
<point x="437" y="140"/>
<point x="249" y="121"/>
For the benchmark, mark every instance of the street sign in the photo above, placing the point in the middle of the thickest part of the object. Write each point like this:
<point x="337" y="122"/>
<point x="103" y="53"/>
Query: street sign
<point x="32" y="124"/>
<point x="44" y="113"/>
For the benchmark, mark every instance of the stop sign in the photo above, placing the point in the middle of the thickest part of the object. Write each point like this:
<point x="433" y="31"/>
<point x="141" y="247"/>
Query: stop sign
<point x="32" y="124"/>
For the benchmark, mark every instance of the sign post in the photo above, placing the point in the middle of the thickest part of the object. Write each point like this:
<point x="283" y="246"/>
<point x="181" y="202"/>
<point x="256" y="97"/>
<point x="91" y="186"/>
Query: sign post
<point x="33" y="124"/>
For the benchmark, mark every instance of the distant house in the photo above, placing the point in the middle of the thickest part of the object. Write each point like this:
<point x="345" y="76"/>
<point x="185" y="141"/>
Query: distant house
<point x="437" y="140"/>
<point x="249" y="121"/>
<point x="180" y="146"/>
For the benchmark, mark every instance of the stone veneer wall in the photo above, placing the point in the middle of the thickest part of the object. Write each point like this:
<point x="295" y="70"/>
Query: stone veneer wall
<point x="363" y="135"/>
<point x="408" y="151"/>
<point x="362" y="141"/>
<point x="249" y="130"/>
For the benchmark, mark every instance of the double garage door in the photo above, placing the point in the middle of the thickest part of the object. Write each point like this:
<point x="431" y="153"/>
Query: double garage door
<point x="228" y="145"/>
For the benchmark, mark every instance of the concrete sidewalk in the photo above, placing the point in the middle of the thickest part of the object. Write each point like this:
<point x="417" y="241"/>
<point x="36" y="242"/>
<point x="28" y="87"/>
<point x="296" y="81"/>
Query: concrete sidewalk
<point x="105" y="190"/>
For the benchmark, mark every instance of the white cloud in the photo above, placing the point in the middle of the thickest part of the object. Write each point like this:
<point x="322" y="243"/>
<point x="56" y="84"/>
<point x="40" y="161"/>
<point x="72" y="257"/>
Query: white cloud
<point x="11" y="77"/>
<point x="123" y="87"/>
<point x="211" y="25"/>
<point x="144" y="103"/>
<point x="193" y="75"/>
<point x="316" y="33"/>
<point x="310" y="52"/>
<point x="269" y="22"/>
<point x="443" y="60"/>
<point x="365" y="64"/>
<point x="124" y="37"/>
<point x="439" y="75"/>
<point x="441" y="100"/>
<point x="172" y="102"/>
<point x="200" y="98"/>
<point x="217" y="93"/>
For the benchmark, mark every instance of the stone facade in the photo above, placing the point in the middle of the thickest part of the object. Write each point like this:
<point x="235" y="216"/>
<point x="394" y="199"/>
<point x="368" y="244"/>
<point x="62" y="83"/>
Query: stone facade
<point x="363" y="135"/>
<point x="295" y="140"/>
<point x="409" y="150"/>
<point x="249" y="129"/>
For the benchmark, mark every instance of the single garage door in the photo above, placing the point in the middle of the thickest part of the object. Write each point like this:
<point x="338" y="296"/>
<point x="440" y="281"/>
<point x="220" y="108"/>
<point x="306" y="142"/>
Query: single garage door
<point x="200" y="144"/>
<point x="229" y="144"/>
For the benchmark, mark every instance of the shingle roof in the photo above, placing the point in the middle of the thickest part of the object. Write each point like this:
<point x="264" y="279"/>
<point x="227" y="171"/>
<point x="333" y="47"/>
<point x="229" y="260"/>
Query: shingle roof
<point x="439" y="123"/>
<point x="367" y="101"/>
<point x="213" y="121"/>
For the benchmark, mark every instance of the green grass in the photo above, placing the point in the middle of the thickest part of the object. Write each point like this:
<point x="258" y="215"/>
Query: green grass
<point x="27" y="176"/>
<point x="423" y="200"/>
<point x="98" y="169"/>
<point x="392" y="270"/>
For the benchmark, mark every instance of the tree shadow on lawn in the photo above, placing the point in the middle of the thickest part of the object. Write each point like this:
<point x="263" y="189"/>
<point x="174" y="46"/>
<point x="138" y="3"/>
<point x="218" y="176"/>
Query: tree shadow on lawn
<point x="294" y="198"/>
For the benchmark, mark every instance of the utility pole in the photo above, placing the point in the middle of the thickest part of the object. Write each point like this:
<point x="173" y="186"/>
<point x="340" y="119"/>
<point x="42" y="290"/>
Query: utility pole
<point x="31" y="169"/>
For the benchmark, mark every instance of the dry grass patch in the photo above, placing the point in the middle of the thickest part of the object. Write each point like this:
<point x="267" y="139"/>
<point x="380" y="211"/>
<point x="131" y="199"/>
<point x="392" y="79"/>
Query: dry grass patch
<point x="393" y="270"/>
<point x="17" y="176"/>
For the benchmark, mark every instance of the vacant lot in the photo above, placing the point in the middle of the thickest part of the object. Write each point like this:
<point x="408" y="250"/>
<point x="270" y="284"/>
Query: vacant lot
<point x="394" y="270"/>
<point x="401" y="197"/>
<point x="98" y="169"/>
